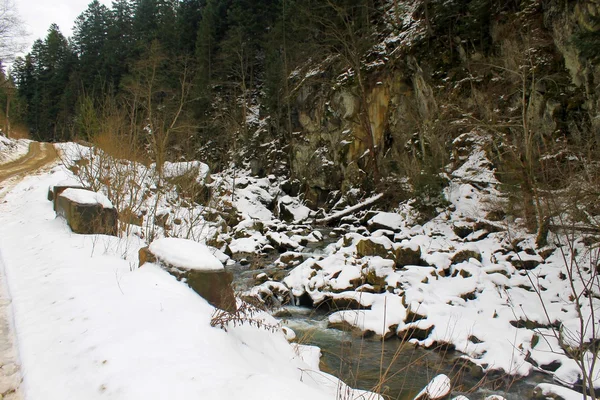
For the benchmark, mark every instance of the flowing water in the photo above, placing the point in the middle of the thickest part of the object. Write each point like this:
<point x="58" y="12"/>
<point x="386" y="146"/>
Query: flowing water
<point x="395" y="369"/>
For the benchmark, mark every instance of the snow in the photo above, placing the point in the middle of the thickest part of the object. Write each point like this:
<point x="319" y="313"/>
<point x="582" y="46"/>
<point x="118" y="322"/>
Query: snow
<point x="309" y="354"/>
<point x="392" y="221"/>
<point x="91" y="326"/>
<point x="11" y="150"/>
<point x="176" y="169"/>
<point x="71" y="181"/>
<point x="87" y="197"/>
<point x="185" y="253"/>
<point x="386" y="311"/>
<point x="299" y="211"/>
<point x="482" y="308"/>
<point x="549" y="390"/>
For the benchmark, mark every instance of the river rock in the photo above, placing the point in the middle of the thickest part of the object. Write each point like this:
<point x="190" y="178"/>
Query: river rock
<point x="419" y="330"/>
<point x="87" y="212"/>
<point x="438" y="388"/>
<point x="290" y="259"/>
<point x="281" y="241"/>
<point x="268" y="294"/>
<point x="545" y="391"/>
<point x="194" y="264"/>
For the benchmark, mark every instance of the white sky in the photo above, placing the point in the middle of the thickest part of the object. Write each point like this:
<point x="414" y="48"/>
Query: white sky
<point x="39" y="14"/>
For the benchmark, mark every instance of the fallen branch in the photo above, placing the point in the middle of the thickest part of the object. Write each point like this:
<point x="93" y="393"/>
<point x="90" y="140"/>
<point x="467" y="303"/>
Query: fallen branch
<point x="338" y="215"/>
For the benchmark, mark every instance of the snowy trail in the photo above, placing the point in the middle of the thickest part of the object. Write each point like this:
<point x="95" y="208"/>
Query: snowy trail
<point x="10" y="374"/>
<point x="39" y="155"/>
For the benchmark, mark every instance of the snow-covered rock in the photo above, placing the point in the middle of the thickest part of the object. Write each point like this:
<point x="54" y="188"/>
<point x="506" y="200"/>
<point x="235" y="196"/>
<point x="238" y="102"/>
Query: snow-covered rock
<point x="438" y="388"/>
<point x="194" y="264"/>
<point x="87" y="212"/>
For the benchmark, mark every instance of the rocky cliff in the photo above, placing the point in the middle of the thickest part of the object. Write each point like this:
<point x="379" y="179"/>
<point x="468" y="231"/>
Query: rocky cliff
<point x="524" y="72"/>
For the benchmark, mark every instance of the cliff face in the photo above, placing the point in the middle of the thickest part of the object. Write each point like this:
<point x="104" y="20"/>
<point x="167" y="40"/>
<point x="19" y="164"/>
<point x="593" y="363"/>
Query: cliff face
<point x="526" y="74"/>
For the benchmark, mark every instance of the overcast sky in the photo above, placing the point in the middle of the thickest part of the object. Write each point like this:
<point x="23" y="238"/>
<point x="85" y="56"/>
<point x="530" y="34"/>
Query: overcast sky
<point x="38" y="15"/>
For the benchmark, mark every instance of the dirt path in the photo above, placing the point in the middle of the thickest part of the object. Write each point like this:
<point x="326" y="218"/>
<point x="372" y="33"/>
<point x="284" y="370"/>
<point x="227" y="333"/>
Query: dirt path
<point x="39" y="155"/>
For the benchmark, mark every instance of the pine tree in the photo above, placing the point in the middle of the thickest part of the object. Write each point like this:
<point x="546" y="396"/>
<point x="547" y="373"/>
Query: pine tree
<point x="89" y="42"/>
<point x="119" y="43"/>
<point x="189" y="14"/>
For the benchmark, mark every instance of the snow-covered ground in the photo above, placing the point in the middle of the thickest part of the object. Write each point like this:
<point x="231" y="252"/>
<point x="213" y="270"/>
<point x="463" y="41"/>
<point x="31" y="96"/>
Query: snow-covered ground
<point x="92" y="325"/>
<point x="11" y="150"/>
<point x="466" y="279"/>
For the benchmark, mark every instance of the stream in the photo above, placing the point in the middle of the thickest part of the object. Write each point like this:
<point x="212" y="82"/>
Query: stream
<point x="362" y="362"/>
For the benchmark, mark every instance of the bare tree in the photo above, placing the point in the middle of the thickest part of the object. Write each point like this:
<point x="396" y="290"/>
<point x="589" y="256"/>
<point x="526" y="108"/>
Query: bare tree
<point x="12" y="31"/>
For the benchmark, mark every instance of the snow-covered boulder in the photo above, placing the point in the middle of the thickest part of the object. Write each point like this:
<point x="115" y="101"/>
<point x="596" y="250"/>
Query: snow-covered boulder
<point x="271" y="294"/>
<point x="385" y="220"/>
<point x="407" y="254"/>
<point x="291" y="210"/>
<point x="371" y="247"/>
<point x="55" y="190"/>
<point x="193" y="263"/>
<point x="87" y="212"/>
<point x="466" y="254"/>
<point x="551" y="391"/>
<point x="438" y="388"/>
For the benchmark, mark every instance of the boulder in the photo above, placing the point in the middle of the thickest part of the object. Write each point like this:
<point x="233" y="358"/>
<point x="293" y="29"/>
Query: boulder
<point x="268" y="294"/>
<point x="291" y="210"/>
<point x="56" y="190"/>
<point x="194" y="264"/>
<point x="384" y="220"/>
<point x="462" y="229"/>
<point x="86" y="212"/>
<point x="290" y="259"/>
<point x="438" y="388"/>
<point x="466" y="255"/>
<point x="372" y="247"/>
<point x="407" y="255"/>
<point x="282" y="242"/>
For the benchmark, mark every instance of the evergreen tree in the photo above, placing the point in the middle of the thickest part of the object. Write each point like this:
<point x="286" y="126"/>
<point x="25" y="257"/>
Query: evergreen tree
<point x="155" y="20"/>
<point x="43" y="81"/>
<point x="89" y="42"/>
<point x="119" y="44"/>
<point x="189" y="14"/>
